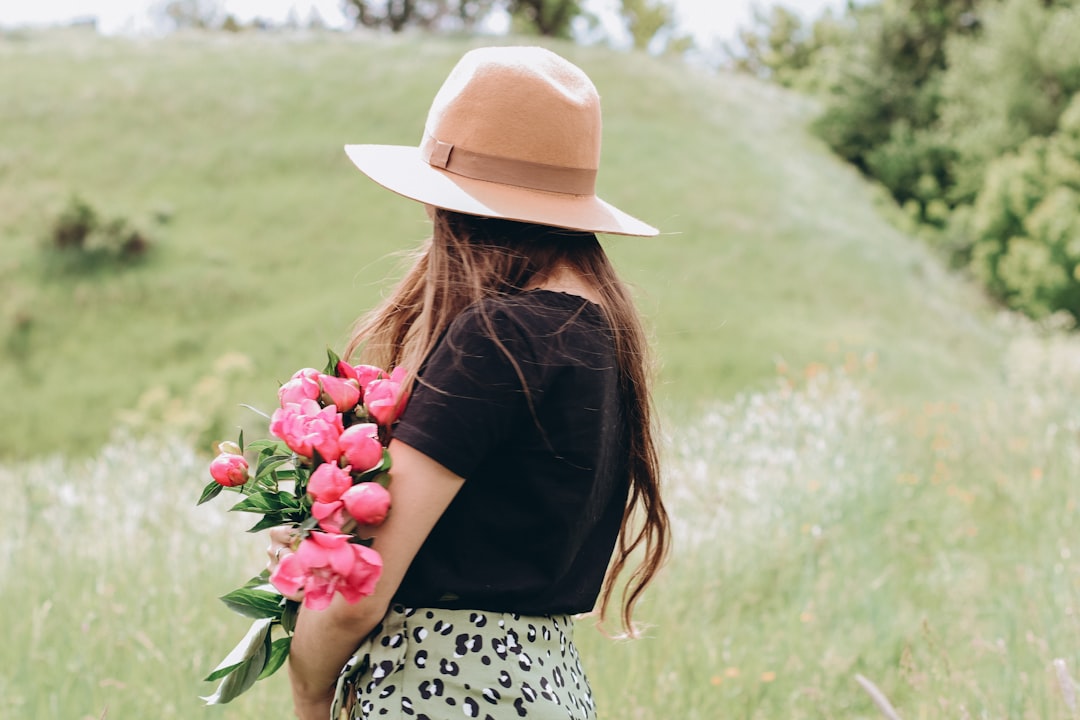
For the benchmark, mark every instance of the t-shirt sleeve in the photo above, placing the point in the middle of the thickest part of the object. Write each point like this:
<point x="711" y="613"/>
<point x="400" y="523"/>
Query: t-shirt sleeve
<point x="469" y="396"/>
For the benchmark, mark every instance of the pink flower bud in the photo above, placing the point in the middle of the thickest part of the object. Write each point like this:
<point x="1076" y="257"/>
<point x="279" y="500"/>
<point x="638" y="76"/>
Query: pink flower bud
<point x="360" y="446"/>
<point x="341" y="393"/>
<point x="367" y="374"/>
<point x="299" y="389"/>
<point x="328" y="482"/>
<point x="229" y="470"/>
<point x="345" y="370"/>
<point x="386" y="399"/>
<point x="367" y="502"/>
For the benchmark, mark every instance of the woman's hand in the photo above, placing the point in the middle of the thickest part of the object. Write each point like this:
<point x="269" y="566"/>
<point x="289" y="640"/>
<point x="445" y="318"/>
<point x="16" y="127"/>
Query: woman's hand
<point x="283" y="540"/>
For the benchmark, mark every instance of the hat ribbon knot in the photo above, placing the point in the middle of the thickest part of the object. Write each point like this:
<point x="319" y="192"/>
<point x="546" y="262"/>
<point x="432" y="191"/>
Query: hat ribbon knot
<point x="507" y="171"/>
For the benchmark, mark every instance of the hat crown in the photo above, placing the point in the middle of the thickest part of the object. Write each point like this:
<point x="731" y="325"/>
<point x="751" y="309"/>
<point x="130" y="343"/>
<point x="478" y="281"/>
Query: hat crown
<point x="519" y="103"/>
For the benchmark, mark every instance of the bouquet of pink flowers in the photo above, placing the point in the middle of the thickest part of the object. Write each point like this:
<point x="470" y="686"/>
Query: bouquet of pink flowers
<point x="326" y="472"/>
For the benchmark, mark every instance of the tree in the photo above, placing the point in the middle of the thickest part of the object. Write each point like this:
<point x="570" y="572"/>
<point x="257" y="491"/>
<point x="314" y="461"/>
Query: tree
<point x="426" y="14"/>
<point x="550" y="18"/>
<point x="200" y="14"/>
<point x="651" y="24"/>
<point x="1010" y="82"/>
<point x="394" y="14"/>
<point x="1025" y="223"/>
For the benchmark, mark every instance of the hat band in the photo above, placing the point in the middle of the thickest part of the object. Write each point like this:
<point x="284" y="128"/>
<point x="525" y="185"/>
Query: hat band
<point x="507" y="171"/>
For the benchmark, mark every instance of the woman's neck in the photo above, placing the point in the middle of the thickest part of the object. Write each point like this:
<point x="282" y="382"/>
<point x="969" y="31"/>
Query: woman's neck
<point x="565" y="279"/>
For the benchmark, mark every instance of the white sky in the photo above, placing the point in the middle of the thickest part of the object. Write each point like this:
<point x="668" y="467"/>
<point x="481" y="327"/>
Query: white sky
<point x="707" y="20"/>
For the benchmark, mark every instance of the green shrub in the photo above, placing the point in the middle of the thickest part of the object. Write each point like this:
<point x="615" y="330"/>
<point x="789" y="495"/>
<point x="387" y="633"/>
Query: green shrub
<point x="84" y="241"/>
<point x="1010" y="82"/>
<point x="1024" y="227"/>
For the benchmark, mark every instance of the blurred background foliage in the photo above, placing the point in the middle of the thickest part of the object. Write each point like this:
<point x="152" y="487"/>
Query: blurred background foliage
<point x="966" y="111"/>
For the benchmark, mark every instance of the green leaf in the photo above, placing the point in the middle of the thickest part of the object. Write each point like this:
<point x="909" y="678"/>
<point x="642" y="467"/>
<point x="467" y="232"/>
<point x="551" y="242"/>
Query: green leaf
<point x="276" y="447"/>
<point x="332" y="361"/>
<point x="266" y="501"/>
<point x="269" y="520"/>
<point x="385" y="464"/>
<point x="241" y="441"/>
<point x="260" y="579"/>
<point x="211" y="491"/>
<point x="270" y="462"/>
<point x="220" y="673"/>
<point x="254" y="603"/>
<point x="279" y="651"/>
<point x="288" y="616"/>
<point x="280" y="476"/>
<point x="243" y="666"/>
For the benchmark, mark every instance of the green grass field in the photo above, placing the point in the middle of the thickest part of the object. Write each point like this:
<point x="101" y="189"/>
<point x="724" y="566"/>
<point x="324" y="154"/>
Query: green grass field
<point x="870" y="472"/>
<point x="772" y="250"/>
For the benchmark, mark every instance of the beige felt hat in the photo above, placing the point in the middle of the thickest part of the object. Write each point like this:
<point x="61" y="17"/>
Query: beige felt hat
<point x="513" y="133"/>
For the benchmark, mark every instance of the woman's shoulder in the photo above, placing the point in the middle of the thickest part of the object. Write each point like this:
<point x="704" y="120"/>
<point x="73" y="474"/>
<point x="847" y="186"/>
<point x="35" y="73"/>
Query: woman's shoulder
<point x="537" y="309"/>
<point x="536" y="325"/>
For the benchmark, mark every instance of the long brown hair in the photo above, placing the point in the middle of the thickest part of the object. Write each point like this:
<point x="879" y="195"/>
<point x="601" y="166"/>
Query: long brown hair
<point x="471" y="258"/>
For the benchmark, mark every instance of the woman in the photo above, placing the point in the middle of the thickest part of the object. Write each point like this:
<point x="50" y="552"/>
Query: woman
<point x="525" y="451"/>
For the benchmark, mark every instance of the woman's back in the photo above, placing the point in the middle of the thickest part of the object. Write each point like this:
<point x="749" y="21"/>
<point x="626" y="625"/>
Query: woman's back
<point x="521" y="398"/>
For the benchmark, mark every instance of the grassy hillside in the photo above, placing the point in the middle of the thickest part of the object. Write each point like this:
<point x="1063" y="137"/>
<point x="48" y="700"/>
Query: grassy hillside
<point x="772" y="250"/>
<point x="902" y="506"/>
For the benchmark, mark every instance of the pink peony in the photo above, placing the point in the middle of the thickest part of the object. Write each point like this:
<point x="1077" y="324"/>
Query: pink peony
<point x="386" y="398"/>
<point x="362" y="374"/>
<point x="360" y="446"/>
<point x="304" y="385"/>
<point x="345" y="370"/>
<point x="324" y="430"/>
<point x="331" y="515"/>
<point x="328" y="482"/>
<point x="289" y="576"/>
<point x="306" y="427"/>
<point x="229" y="470"/>
<point x="367" y="502"/>
<point x="343" y="394"/>
<point x="326" y="563"/>
<point x="290" y="424"/>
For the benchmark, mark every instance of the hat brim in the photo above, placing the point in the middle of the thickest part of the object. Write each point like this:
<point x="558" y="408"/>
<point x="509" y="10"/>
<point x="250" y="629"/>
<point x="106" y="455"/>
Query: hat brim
<point x="402" y="170"/>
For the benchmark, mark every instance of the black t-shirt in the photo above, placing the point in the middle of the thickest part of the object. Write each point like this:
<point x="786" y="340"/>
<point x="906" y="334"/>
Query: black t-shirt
<point x="533" y="527"/>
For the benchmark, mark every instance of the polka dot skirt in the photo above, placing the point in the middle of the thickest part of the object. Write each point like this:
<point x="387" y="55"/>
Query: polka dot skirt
<point x="433" y="664"/>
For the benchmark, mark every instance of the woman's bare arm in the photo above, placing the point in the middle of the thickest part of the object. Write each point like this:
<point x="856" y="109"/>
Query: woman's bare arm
<point x="325" y="639"/>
